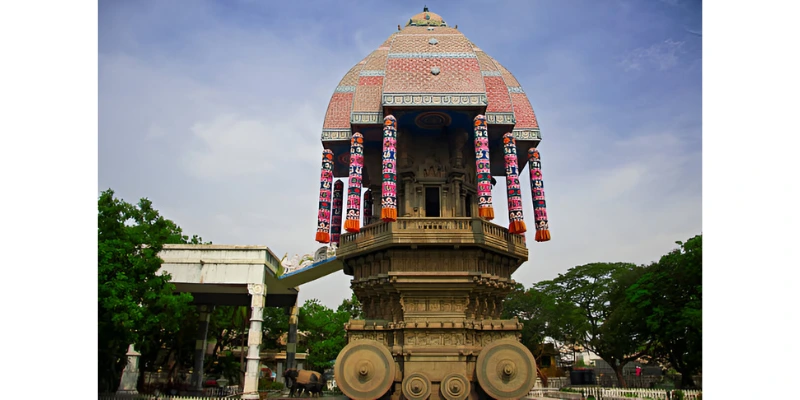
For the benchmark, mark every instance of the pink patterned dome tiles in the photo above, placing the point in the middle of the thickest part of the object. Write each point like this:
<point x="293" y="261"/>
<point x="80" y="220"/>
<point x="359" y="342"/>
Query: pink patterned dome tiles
<point x="428" y="65"/>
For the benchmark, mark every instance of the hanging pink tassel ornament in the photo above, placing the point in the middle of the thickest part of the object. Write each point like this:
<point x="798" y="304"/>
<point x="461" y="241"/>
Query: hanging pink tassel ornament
<point x="352" y="219"/>
<point x="389" y="181"/>
<point x="325" y="187"/>
<point x="537" y="190"/>
<point x="516" y="224"/>
<point x="483" y="169"/>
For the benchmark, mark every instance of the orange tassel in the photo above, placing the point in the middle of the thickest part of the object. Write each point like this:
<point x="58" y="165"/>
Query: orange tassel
<point x="352" y="226"/>
<point x="542" y="236"/>
<point x="389" y="214"/>
<point x="323" y="237"/>
<point x="486" y="213"/>
<point x="517" y="227"/>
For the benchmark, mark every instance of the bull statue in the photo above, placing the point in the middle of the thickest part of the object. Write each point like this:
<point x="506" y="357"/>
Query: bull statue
<point x="299" y="381"/>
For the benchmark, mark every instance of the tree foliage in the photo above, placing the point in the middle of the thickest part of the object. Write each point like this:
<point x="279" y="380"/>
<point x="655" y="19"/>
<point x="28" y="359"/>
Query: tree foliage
<point x="620" y="311"/>
<point x="621" y="338"/>
<point x="536" y="311"/>
<point x="171" y="350"/>
<point x="585" y="293"/>
<point x="134" y="303"/>
<point x="275" y="324"/>
<point x="667" y="298"/>
<point x="352" y="307"/>
<point x="328" y="336"/>
<point x="229" y="327"/>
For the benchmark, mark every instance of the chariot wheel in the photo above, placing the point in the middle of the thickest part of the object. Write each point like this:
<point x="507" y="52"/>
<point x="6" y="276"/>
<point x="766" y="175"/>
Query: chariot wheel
<point x="416" y="386"/>
<point x="455" y="387"/>
<point x="506" y="369"/>
<point x="364" y="370"/>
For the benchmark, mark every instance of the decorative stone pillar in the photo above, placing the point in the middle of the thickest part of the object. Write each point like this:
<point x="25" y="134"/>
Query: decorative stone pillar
<point x="376" y="205"/>
<point x="444" y="207"/>
<point x="458" y="198"/>
<point x="200" y="346"/>
<point x="408" y="207"/>
<point x="291" y="342"/>
<point x="130" y="375"/>
<point x="461" y="140"/>
<point x="257" y="293"/>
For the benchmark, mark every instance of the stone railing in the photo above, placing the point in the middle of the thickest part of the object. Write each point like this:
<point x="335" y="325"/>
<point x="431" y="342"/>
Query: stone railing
<point x="433" y="231"/>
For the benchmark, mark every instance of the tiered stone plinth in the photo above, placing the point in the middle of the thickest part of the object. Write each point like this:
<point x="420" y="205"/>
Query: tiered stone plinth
<point x="433" y="327"/>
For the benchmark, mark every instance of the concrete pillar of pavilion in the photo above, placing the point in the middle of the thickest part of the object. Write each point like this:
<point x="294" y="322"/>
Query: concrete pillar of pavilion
<point x="200" y="346"/>
<point x="257" y="293"/>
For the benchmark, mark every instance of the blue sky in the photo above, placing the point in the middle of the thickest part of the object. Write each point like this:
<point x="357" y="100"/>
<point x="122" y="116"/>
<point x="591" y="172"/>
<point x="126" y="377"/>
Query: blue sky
<point x="214" y="110"/>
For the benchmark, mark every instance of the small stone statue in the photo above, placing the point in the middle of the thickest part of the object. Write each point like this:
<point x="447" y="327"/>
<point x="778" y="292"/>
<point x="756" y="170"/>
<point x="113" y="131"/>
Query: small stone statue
<point x="290" y="265"/>
<point x="307" y="260"/>
<point x="332" y="250"/>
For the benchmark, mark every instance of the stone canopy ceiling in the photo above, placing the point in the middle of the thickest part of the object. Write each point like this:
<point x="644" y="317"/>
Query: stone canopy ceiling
<point x="427" y="64"/>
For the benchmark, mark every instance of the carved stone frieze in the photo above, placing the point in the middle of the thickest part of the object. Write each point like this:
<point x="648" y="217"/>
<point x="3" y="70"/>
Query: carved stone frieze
<point x="379" y="336"/>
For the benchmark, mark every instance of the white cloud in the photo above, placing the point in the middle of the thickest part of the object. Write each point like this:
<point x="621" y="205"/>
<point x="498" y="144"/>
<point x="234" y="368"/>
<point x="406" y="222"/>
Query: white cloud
<point x="662" y="55"/>
<point x="231" y="145"/>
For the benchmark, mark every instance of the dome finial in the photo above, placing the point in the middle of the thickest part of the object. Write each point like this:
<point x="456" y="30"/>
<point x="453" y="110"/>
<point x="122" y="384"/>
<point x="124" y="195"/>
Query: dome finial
<point x="426" y="18"/>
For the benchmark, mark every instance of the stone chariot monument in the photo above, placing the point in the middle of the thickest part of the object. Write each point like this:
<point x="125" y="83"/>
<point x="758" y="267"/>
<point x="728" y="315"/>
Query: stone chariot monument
<point x="422" y="125"/>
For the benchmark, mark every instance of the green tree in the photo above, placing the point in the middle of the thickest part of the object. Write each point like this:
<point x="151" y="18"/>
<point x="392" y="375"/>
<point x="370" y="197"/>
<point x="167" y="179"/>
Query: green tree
<point x="543" y="319"/>
<point x="622" y="337"/>
<point x="532" y="308"/>
<point x="228" y="328"/>
<point x="171" y="349"/>
<point x="668" y="298"/>
<point x="352" y="307"/>
<point x="276" y="323"/>
<point x="328" y="336"/>
<point x="564" y="321"/>
<point x="586" y="294"/>
<point x="134" y="303"/>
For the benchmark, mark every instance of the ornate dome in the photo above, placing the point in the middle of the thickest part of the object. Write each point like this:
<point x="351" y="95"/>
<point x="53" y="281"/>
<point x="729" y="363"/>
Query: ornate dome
<point x="428" y="65"/>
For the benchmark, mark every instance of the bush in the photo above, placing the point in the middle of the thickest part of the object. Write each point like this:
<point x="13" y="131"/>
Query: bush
<point x="265" y="384"/>
<point x="275" y="385"/>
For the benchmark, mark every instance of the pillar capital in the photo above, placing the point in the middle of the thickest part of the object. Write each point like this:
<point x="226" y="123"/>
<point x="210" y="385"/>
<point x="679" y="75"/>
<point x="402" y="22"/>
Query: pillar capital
<point x="257" y="292"/>
<point x="257" y="289"/>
